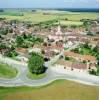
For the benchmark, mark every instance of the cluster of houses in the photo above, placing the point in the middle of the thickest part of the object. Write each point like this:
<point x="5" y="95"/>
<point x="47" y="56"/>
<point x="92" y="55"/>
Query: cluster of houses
<point x="55" y="42"/>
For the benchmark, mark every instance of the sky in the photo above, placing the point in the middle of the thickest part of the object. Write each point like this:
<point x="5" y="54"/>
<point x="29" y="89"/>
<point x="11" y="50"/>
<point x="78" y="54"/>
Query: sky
<point x="49" y="3"/>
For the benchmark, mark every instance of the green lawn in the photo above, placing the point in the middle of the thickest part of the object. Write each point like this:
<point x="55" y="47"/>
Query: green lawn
<point x="97" y="73"/>
<point x="58" y="90"/>
<point x="86" y="51"/>
<point x="7" y="71"/>
<point x="34" y="76"/>
<point x="83" y="50"/>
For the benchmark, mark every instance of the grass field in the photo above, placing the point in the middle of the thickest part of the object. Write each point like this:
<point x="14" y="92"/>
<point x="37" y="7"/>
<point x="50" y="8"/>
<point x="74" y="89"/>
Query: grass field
<point x="7" y="71"/>
<point x="34" y="76"/>
<point x="58" y="90"/>
<point x="40" y="17"/>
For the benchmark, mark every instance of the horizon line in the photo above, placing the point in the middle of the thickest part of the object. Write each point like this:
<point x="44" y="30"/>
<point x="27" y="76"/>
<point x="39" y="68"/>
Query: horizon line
<point x="45" y="8"/>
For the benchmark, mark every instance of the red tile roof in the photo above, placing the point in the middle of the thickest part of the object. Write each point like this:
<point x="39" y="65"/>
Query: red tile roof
<point x="72" y="65"/>
<point x="79" y="66"/>
<point x="88" y="57"/>
<point x="21" y="50"/>
<point x="82" y="57"/>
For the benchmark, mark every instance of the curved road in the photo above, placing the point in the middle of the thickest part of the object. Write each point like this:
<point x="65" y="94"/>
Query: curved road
<point x="51" y="75"/>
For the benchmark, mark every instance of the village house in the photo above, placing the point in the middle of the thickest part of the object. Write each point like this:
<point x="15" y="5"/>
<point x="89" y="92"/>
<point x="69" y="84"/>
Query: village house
<point x="22" y="51"/>
<point x="56" y="47"/>
<point x="48" y="53"/>
<point x="71" y="66"/>
<point x="94" y="43"/>
<point x="57" y="36"/>
<point x="36" y="48"/>
<point x="81" y="58"/>
<point x="23" y="54"/>
<point x="3" y="51"/>
<point x="68" y="44"/>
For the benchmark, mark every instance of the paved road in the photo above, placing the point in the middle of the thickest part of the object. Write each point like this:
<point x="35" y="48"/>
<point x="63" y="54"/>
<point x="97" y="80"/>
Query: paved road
<point x="51" y="75"/>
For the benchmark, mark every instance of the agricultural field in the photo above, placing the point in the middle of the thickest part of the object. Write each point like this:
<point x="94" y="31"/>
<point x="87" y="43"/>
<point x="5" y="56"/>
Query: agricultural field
<point x="71" y="23"/>
<point x="58" y="90"/>
<point x="41" y="16"/>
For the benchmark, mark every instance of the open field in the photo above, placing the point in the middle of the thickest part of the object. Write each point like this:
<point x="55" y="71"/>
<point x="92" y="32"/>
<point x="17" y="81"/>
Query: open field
<point x="71" y="23"/>
<point x="7" y="71"/>
<point x="58" y="90"/>
<point x="39" y="16"/>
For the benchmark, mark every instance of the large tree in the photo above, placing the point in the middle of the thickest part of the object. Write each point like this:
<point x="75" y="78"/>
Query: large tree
<point x="36" y="64"/>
